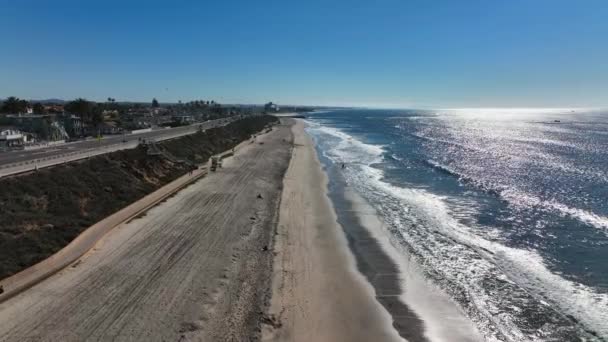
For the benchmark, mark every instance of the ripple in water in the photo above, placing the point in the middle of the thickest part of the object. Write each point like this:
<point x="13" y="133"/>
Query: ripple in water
<point x="507" y="217"/>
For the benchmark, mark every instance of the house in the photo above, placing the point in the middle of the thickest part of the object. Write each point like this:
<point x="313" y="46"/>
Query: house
<point x="271" y="107"/>
<point x="183" y="119"/>
<point x="158" y="111"/>
<point x="54" y="108"/>
<point x="73" y="125"/>
<point x="109" y="127"/>
<point x="110" y="114"/>
<point x="42" y="126"/>
<point x="11" y="137"/>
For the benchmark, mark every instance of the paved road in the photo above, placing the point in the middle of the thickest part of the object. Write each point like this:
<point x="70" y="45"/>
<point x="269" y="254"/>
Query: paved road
<point x="19" y="161"/>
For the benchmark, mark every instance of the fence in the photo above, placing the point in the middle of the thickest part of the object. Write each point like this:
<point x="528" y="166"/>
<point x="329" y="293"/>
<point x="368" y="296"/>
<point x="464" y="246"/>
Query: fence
<point x="34" y="164"/>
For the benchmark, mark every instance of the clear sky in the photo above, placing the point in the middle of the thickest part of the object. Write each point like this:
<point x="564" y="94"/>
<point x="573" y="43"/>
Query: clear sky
<point x="426" y="53"/>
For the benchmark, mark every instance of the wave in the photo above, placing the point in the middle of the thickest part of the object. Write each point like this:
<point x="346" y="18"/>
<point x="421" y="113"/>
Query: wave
<point x="348" y="149"/>
<point x="444" y="169"/>
<point x="525" y="268"/>
<point x="533" y="154"/>
<point x="510" y="293"/>
<point x="521" y="199"/>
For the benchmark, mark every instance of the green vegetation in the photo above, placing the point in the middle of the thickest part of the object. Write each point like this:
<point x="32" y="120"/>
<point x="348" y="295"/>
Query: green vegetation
<point x="14" y="105"/>
<point x="91" y="113"/>
<point x="43" y="211"/>
<point x="39" y="108"/>
<point x="82" y="117"/>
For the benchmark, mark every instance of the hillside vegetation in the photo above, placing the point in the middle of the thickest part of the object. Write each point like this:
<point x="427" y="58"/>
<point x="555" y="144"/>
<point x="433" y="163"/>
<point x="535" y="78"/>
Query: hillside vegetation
<point x="43" y="211"/>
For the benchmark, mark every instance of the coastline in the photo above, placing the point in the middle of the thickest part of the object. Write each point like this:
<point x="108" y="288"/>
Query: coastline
<point x="420" y="311"/>
<point x="206" y="275"/>
<point x="388" y="285"/>
<point x="379" y="269"/>
<point x="470" y="243"/>
<point x="317" y="292"/>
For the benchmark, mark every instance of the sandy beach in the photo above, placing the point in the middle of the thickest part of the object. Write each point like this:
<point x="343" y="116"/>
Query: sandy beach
<point x="318" y="294"/>
<point x="196" y="267"/>
<point x="200" y="265"/>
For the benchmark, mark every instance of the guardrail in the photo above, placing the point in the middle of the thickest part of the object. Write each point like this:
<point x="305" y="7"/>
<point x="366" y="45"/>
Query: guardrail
<point x="143" y="130"/>
<point x="34" y="164"/>
<point x="39" y="163"/>
<point x="45" y="145"/>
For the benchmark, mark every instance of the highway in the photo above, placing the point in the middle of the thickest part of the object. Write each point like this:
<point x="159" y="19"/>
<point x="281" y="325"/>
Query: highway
<point x="18" y="161"/>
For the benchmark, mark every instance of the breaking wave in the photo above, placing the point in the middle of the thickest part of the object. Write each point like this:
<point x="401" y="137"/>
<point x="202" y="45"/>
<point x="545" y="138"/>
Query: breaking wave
<point x="509" y="293"/>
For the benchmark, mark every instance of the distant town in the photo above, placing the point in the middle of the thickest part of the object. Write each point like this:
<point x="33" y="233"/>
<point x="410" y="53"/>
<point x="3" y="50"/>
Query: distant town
<point x="30" y="124"/>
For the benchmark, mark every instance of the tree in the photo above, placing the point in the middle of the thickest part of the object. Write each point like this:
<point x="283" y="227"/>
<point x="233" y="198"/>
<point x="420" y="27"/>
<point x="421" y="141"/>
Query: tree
<point x="14" y="105"/>
<point x="154" y="103"/>
<point x="96" y="116"/>
<point x="39" y="108"/>
<point x="42" y="129"/>
<point x="88" y="112"/>
<point x="69" y="126"/>
<point x="79" y="107"/>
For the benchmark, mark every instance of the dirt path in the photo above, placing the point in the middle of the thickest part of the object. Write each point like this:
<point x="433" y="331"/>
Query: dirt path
<point x="87" y="240"/>
<point x="194" y="268"/>
<point x="318" y="294"/>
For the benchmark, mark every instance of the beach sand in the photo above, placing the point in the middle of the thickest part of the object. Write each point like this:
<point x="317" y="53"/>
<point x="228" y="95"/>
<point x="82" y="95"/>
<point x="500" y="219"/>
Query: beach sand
<point x="200" y="267"/>
<point x="317" y="292"/>
<point x="196" y="267"/>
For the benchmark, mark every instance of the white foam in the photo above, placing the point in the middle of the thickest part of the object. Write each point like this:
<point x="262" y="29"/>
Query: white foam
<point x="525" y="268"/>
<point x="348" y="150"/>
<point x="521" y="199"/>
<point x="443" y="320"/>
<point x="452" y="249"/>
<point x="525" y="200"/>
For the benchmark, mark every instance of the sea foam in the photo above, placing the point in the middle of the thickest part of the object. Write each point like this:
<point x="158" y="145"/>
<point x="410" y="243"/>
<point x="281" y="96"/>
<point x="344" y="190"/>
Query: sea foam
<point x="499" y="287"/>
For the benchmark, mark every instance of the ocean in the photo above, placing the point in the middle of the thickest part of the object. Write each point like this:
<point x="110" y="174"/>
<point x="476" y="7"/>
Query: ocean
<point x="504" y="211"/>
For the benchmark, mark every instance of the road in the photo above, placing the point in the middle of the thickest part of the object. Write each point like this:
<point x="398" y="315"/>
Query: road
<point x="19" y="161"/>
<point x="194" y="268"/>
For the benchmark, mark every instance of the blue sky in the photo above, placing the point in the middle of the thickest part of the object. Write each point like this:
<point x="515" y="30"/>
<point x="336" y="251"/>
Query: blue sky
<point x="516" y="53"/>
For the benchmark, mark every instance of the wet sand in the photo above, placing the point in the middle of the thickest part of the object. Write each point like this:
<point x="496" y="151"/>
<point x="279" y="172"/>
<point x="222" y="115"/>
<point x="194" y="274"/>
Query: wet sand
<point x="379" y="269"/>
<point x="200" y="267"/>
<point x="338" y="276"/>
<point x="318" y="294"/>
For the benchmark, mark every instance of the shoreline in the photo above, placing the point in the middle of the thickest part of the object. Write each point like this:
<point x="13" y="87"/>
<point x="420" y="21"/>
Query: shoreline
<point x="390" y="288"/>
<point x="317" y="292"/>
<point x="414" y="301"/>
<point x="380" y="270"/>
<point x="420" y="310"/>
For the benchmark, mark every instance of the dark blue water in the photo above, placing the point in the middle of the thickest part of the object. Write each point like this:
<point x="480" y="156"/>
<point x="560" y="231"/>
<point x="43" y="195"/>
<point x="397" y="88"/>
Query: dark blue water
<point x="506" y="211"/>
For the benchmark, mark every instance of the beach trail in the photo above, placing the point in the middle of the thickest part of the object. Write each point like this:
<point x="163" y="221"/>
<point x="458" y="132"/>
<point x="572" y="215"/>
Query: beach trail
<point x="318" y="294"/>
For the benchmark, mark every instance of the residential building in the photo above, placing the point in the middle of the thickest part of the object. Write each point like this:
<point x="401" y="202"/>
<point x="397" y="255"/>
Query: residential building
<point x="11" y="137"/>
